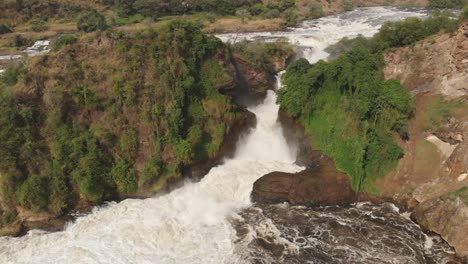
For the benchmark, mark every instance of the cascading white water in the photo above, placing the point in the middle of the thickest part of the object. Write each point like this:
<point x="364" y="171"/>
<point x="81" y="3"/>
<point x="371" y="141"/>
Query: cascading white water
<point x="191" y="224"/>
<point x="313" y="36"/>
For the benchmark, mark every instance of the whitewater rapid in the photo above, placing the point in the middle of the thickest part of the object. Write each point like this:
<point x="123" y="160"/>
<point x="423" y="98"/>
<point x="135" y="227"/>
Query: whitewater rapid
<point x="313" y="36"/>
<point x="193" y="224"/>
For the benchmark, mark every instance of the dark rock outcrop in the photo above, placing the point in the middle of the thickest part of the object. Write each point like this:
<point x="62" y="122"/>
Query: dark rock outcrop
<point x="252" y="83"/>
<point x="227" y="149"/>
<point x="323" y="184"/>
<point x="296" y="135"/>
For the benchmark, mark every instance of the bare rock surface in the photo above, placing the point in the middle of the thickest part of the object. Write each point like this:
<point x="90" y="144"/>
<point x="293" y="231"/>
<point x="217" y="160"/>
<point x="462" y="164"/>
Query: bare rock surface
<point x="323" y="184"/>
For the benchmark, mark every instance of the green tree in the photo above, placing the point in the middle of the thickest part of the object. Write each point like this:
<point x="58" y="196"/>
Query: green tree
<point x="290" y="17"/>
<point x="124" y="7"/>
<point x="63" y="40"/>
<point x="33" y="193"/>
<point x="124" y="177"/>
<point x="59" y="191"/>
<point x="4" y="29"/>
<point x="446" y="3"/>
<point x="128" y="144"/>
<point x="91" y="21"/>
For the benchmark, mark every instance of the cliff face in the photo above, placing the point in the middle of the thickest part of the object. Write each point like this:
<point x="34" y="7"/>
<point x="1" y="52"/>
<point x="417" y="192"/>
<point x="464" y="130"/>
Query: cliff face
<point x="432" y="176"/>
<point x="437" y="65"/>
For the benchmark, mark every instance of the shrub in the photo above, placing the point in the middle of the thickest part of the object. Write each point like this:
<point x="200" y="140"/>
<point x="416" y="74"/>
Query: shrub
<point x="124" y="177"/>
<point x="128" y="144"/>
<point x="151" y="171"/>
<point x="271" y="13"/>
<point x="92" y="171"/>
<point x="290" y="17"/>
<point x="59" y="191"/>
<point x="5" y="29"/>
<point x="33" y="193"/>
<point x="91" y="21"/>
<point x="8" y="217"/>
<point x="124" y="7"/>
<point x="446" y="4"/>
<point x="21" y="41"/>
<point x="348" y="5"/>
<point x="256" y="9"/>
<point x="130" y="19"/>
<point x="184" y="152"/>
<point x="38" y="25"/>
<point x="63" y="40"/>
<point x="10" y="75"/>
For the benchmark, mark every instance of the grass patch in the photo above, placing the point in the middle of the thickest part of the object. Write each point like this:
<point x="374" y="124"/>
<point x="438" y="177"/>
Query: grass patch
<point x="461" y="193"/>
<point x="438" y="110"/>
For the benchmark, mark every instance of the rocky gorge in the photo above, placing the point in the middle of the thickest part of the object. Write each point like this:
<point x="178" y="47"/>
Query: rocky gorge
<point x="431" y="181"/>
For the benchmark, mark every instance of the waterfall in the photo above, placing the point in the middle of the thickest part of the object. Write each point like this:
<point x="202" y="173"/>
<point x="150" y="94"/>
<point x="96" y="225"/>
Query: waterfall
<point x="193" y="224"/>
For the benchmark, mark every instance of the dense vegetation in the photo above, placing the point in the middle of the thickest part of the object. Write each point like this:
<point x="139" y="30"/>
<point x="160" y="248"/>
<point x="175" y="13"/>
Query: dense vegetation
<point x="351" y="111"/>
<point x="119" y="12"/>
<point x="148" y="8"/>
<point x="112" y="114"/>
<point x="446" y="3"/>
<point x="400" y="33"/>
<point x="91" y="21"/>
<point x="63" y="40"/>
<point x="4" y="29"/>
<point x="411" y="30"/>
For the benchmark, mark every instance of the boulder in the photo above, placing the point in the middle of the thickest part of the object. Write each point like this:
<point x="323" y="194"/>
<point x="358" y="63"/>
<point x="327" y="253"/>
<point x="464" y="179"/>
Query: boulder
<point x="322" y="184"/>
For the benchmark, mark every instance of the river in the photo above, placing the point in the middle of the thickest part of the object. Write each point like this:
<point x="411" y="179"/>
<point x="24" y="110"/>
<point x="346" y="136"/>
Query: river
<point x="213" y="221"/>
